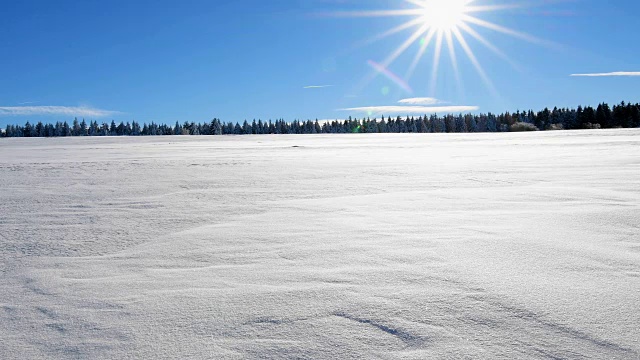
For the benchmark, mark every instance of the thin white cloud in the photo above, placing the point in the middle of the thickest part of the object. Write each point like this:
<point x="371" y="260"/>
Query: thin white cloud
<point x="317" y="86"/>
<point x="411" y="109"/>
<point x="55" y="110"/>
<point x="420" y="101"/>
<point x="323" y="121"/>
<point x="616" y="73"/>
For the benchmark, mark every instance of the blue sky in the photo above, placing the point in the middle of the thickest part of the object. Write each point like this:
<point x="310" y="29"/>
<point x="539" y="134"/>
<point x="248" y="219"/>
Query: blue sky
<point x="168" y="61"/>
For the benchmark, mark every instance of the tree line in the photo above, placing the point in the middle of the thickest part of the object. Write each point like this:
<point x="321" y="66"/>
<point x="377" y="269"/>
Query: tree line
<point x="624" y="115"/>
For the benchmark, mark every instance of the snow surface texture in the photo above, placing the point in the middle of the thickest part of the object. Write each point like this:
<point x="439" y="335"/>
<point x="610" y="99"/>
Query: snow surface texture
<point x="357" y="246"/>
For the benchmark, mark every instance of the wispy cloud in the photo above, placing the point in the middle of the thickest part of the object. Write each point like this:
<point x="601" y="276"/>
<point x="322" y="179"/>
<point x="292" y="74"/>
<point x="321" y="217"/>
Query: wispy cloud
<point x="411" y="109"/>
<point x="317" y="86"/>
<point x="55" y="110"/>
<point x="420" y="101"/>
<point x="616" y="73"/>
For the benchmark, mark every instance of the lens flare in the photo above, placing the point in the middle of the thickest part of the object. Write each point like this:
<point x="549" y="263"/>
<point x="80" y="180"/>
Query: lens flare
<point x="445" y="24"/>
<point x="381" y="69"/>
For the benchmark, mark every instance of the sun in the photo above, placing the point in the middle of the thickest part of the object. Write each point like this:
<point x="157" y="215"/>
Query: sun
<point x="442" y="26"/>
<point x="443" y="15"/>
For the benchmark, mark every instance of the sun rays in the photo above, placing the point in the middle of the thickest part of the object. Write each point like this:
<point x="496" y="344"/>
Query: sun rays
<point x="443" y="26"/>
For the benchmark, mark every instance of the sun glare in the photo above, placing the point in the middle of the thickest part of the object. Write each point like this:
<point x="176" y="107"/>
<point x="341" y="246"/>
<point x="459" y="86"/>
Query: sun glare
<point x="443" y="15"/>
<point x="441" y="24"/>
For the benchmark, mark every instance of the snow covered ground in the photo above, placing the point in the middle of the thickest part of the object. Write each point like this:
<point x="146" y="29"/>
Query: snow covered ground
<point x="355" y="246"/>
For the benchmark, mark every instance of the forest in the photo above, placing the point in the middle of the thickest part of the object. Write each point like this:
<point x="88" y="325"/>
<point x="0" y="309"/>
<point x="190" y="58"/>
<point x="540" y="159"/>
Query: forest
<point x="624" y="115"/>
